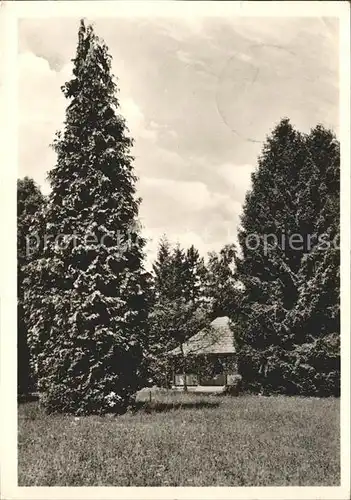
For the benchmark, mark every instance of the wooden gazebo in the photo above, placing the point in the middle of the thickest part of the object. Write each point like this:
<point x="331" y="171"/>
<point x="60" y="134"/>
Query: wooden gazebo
<point x="207" y="361"/>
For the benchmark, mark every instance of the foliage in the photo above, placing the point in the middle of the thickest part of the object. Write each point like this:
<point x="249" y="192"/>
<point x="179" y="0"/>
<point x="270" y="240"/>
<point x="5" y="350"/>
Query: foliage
<point x="86" y="295"/>
<point x="178" y="273"/>
<point x="195" y="276"/>
<point x="291" y="291"/>
<point x="311" y="369"/>
<point x="30" y="203"/>
<point x="221" y="283"/>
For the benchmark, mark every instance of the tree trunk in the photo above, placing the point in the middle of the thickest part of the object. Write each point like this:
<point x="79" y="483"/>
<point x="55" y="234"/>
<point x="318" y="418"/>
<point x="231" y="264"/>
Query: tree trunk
<point x="185" y="387"/>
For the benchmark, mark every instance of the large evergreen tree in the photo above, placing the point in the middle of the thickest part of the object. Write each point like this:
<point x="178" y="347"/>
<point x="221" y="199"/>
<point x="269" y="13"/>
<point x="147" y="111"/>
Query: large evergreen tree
<point x="86" y="295"/>
<point x="30" y="202"/>
<point x="314" y="321"/>
<point x="283" y="220"/>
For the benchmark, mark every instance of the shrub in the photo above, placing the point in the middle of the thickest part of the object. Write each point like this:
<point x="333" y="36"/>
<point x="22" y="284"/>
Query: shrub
<point x="307" y="369"/>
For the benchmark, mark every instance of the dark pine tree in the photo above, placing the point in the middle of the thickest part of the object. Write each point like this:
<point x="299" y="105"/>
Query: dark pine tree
<point x="30" y="203"/>
<point x="178" y="273"/>
<point x="87" y="294"/>
<point x="282" y="221"/>
<point x="314" y="321"/>
<point x="194" y="276"/>
<point x="163" y="270"/>
<point x="221" y="285"/>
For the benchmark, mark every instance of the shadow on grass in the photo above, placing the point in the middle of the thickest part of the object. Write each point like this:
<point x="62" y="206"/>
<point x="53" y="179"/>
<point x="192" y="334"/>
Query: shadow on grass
<point x="145" y="406"/>
<point x="27" y="398"/>
<point x="158" y="407"/>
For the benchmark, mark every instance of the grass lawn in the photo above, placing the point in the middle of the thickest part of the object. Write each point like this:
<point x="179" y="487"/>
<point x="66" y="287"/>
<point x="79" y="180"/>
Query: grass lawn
<point x="185" y="440"/>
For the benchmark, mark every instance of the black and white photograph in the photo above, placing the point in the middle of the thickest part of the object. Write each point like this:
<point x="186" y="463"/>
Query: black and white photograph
<point x="180" y="227"/>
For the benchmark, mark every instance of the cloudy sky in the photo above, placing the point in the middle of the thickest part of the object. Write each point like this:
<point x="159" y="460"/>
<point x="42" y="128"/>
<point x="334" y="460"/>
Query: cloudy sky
<point x="199" y="96"/>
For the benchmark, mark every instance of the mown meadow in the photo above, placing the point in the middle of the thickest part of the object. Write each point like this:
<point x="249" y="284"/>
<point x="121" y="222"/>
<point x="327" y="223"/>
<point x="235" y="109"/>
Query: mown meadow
<point x="185" y="440"/>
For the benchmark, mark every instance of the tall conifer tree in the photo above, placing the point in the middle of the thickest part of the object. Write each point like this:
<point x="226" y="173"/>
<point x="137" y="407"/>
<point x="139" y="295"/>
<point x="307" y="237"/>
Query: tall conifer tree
<point x="314" y="321"/>
<point x="30" y="203"/>
<point x="86" y="296"/>
<point x="291" y="290"/>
